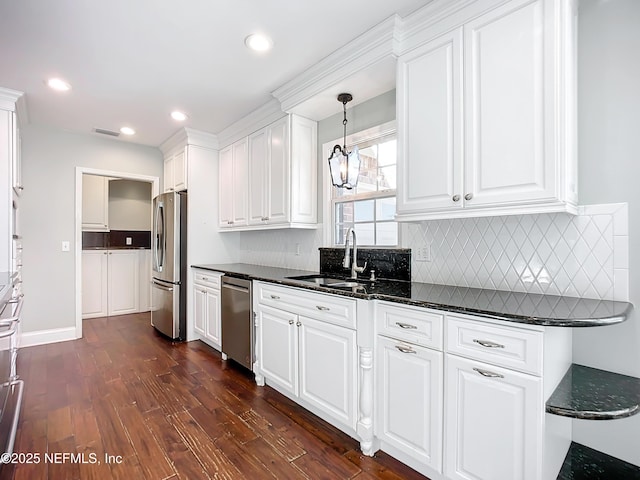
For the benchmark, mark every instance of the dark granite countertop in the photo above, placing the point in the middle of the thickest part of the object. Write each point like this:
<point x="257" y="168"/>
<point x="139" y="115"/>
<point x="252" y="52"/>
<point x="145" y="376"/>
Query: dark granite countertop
<point x="584" y="463"/>
<point x="532" y="309"/>
<point x="593" y="394"/>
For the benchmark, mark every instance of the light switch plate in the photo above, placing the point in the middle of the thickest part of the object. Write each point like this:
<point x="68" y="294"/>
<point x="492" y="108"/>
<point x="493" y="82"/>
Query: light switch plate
<point x="128" y="241"/>
<point x="423" y="254"/>
<point x="66" y="246"/>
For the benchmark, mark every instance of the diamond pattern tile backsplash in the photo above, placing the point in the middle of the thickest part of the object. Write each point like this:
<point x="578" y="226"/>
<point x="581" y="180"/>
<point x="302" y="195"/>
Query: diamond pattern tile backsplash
<point x="586" y="255"/>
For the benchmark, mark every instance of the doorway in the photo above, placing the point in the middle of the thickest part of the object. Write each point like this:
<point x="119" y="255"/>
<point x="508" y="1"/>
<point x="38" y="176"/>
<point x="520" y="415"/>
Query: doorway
<point x="125" y="181"/>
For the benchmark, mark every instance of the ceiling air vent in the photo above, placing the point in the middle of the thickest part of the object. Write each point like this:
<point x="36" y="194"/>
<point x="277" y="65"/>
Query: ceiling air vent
<point x="104" y="131"/>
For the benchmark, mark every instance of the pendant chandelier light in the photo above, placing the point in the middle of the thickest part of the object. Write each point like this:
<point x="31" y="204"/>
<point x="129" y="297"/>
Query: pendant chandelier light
<point x="343" y="165"/>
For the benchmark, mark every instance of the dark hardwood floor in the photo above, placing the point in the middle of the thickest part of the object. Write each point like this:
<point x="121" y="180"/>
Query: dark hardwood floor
<point x="132" y="405"/>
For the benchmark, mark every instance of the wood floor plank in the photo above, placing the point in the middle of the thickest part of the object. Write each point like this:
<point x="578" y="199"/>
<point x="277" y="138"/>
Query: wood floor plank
<point x="171" y="411"/>
<point x="152" y="459"/>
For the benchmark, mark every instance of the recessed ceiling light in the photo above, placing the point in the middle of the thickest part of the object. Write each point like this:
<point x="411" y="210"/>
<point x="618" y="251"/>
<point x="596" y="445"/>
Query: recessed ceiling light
<point x="179" y="116"/>
<point x="258" y="42"/>
<point x="127" y="131"/>
<point x="58" y="84"/>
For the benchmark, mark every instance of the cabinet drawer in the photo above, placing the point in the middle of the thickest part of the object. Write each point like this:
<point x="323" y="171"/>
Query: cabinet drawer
<point x="207" y="278"/>
<point x="412" y="324"/>
<point x="328" y="308"/>
<point x="496" y="344"/>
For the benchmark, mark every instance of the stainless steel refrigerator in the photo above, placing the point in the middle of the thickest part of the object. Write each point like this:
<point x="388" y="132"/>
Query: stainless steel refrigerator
<point x="169" y="259"/>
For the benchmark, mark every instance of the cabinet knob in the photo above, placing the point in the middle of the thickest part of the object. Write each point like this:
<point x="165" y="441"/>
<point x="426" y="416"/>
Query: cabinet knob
<point x="290" y="322"/>
<point x="298" y="323"/>
<point x="456" y="198"/>
<point x="468" y="196"/>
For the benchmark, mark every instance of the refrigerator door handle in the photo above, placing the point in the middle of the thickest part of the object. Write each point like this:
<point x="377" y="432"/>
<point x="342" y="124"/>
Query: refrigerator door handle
<point x="160" y="239"/>
<point x="162" y="287"/>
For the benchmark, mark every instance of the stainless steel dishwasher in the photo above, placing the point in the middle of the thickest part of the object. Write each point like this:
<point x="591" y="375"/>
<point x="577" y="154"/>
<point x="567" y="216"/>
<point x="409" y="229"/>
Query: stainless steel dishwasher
<point x="237" y="320"/>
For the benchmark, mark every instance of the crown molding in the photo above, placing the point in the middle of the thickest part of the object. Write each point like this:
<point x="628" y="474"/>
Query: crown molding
<point x="9" y="98"/>
<point x="254" y="121"/>
<point x="189" y="136"/>
<point x="372" y="46"/>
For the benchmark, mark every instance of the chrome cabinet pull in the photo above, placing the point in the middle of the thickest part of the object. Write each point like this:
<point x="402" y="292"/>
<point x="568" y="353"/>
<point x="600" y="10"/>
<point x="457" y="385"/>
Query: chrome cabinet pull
<point x="488" y="343"/>
<point x="456" y="198"/>
<point x="487" y="373"/>
<point x="406" y="326"/>
<point x="298" y="323"/>
<point x="405" y="349"/>
<point x="275" y="297"/>
<point x="320" y="307"/>
<point x="290" y="322"/>
<point x="468" y="196"/>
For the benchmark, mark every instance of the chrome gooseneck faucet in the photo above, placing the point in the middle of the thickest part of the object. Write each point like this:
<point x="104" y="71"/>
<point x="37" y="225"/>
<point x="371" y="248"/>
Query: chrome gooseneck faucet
<point x="347" y="263"/>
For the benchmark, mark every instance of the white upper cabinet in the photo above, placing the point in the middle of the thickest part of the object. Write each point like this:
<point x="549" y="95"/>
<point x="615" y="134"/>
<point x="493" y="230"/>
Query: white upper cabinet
<point x="233" y="187"/>
<point x="486" y="116"/>
<point x="278" y="187"/>
<point x="95" y="203"/>
<point x="175" y="170"/>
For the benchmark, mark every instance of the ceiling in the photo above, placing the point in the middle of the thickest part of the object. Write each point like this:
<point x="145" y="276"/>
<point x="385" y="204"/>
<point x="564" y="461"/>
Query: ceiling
<point x="132" y="62"/>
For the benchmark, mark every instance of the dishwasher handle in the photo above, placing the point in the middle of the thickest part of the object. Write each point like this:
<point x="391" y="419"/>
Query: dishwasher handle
<point x="233" y="287"/>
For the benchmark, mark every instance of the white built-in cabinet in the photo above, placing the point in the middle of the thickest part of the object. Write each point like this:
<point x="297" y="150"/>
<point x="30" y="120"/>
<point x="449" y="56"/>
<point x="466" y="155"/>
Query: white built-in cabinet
<point x="485" y="114"/>
<point x="269" y="179"/>
<point x="306" y="348"/>
<point x="409" y="372"/>
<point x="10" y="181"/>
<point x="95" y="203"/>
<point x="206" y="306"/>
<point x="233" y="186"/>
<point x="115" y="282"/>
<point x="175" y="170"/>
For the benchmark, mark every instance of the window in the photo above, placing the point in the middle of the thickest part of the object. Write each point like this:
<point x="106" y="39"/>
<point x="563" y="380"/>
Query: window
<point x="371" y="206"/>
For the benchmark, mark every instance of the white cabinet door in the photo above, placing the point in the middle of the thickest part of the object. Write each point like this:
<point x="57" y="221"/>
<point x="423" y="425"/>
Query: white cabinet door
<point x="200" y="310"/>
<point x="277" y="347"/>
<point x="95" y="203"/>
<point x="123" y="282"/>
<point x="144" y="266"/>
<point x="493" y="426"/>
<point x="506" y="159"/>
<point x="168" y="174"/>
<point x="258" y="177"/>
<point x="240" y="182"/>
<point x="430" y="126"/>
<point x="410" y="390"/>
<point x="328" y="378"/>
<point x="180" y="170"/>
<point x="212" y="324"/>
<point x="94" y="284"/>
<point x="303" y="178"/>
<point x="278" y="186"/>
<point x="225" y="204"/>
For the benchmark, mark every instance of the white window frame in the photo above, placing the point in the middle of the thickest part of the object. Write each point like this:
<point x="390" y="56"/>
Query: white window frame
<point x="328" y="212"/>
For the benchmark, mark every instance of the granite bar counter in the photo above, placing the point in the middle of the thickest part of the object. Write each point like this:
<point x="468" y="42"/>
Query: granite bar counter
<point x="532" y="309"/>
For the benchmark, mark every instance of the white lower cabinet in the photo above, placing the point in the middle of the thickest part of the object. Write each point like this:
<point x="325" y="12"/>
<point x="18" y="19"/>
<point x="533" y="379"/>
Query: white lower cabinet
<point x="410" y="402"/>
<point x="493" y="422"/>
<point x="206" y="299"/>
<point x="308" y="358"/>
<point x="111" y="282"/>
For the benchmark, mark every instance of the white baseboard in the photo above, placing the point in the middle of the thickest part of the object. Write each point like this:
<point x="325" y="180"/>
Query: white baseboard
<point x="42" y="337"/>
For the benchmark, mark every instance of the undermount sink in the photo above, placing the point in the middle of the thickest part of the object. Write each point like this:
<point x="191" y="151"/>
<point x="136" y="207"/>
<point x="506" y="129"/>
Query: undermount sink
<point x="323" y="281"/>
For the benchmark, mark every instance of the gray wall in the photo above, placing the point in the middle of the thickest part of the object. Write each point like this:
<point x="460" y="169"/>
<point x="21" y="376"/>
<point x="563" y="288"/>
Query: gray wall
<point x="49" y="158"/>
<point x="609" y="171"/>
<point x="129" y="205"/>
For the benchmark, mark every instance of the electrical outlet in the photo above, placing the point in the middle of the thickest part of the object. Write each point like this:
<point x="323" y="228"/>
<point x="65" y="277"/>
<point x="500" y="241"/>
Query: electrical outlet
<point x="297" y="249"/>
<point x="423" y="254"/>
<point x="128" y="240"/>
